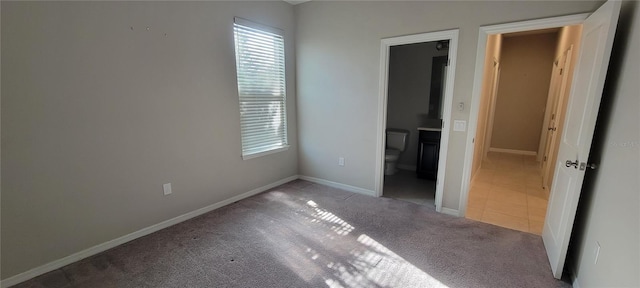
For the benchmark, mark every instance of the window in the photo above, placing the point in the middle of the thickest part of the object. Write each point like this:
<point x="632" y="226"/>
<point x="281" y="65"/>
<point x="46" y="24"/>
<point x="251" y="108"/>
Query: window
<point x="261" y="88"/>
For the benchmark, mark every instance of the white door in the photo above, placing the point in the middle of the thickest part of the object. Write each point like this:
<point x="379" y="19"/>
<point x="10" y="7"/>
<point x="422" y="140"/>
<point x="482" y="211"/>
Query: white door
<point x="557" y="111"/>
<point x="549" y="111"/>
<point x="597" y="38"/>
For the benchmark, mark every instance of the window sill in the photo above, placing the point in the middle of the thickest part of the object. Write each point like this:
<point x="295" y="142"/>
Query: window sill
<point x="260" y="154"/>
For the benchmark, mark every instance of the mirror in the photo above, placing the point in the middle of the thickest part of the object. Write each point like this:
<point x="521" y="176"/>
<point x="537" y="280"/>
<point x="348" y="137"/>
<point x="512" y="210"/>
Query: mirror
<point x="438" y="80"/>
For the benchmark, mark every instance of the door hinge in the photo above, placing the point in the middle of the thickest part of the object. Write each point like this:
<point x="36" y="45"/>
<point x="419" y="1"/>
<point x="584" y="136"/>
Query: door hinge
<point x="545" y="158"/>
<point x="561" y="70"/>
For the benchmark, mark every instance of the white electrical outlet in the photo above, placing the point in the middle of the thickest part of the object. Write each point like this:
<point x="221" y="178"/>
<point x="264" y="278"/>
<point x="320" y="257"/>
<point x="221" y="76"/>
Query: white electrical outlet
<point x="340" y="161"/>
<point x="596" y="253"/>
<point x="166" y="188"/>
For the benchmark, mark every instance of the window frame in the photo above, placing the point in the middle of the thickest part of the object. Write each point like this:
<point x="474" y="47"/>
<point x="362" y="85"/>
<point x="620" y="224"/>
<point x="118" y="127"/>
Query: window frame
<point x="277" y="33"/>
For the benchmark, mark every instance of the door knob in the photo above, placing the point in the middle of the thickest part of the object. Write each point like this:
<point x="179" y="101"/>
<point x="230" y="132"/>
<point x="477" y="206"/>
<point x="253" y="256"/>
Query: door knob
<point x="569" y="163"/>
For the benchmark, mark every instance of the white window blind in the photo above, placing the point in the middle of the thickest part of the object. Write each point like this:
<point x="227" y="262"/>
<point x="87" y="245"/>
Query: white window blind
<point x="261" y="88"/>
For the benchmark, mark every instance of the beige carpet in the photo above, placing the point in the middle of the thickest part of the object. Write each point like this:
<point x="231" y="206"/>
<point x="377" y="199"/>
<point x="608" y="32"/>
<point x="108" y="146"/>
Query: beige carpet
<point x="308" y="235"/>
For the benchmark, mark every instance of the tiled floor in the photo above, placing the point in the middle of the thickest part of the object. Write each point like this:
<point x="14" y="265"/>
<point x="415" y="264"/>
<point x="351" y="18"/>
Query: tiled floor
<point x="507" y="191"/>
<point x="404" y="185"/>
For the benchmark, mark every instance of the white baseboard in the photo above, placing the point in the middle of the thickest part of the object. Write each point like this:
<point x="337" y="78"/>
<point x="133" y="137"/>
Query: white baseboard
<point x="575" y="283"/>
<point x="513" y="151"/>
<point x="449" y="211"/>
<point x="338" y="185"/>
<point x="56" y="264"/>
<point x="574" y="278"/>
<point x="406" y="167"/>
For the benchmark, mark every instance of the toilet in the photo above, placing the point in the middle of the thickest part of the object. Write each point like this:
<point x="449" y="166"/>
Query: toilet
<point x="396" y="143"/>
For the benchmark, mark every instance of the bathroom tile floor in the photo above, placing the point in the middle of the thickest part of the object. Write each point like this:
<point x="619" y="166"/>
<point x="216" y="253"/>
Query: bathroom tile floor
<point x="507" y="191"/>
<point x="405" y="186"/>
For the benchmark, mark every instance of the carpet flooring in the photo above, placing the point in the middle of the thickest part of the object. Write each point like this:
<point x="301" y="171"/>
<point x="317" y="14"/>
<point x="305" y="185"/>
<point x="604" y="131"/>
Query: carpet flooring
<point x="302" y="234"/>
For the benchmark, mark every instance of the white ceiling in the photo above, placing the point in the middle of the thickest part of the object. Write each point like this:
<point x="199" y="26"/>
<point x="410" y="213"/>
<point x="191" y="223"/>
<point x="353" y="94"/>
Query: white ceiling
<point x="294" y="2"/>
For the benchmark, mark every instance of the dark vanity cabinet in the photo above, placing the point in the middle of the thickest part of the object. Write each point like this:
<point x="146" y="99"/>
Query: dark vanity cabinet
<point x="428" y="151"/>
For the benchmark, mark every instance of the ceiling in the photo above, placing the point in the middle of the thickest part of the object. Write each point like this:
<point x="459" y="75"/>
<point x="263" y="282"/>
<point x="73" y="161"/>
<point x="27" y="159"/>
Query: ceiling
<point x="532" y="32"/>
<point x="295" y="2"/>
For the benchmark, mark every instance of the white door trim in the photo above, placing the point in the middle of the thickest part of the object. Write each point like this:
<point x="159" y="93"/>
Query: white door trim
<point x="495" y="82"/>
<point x="551" y="150"/>
<point x="385" y="45"/>
<point x="553" y="90"/>
<point x="484" y="32"/>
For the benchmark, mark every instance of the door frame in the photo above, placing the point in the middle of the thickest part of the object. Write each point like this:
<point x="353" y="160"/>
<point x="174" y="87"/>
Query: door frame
<point x="493" y="96"/>
<point x="385" y="46"/>
<point x="485" y="31"/>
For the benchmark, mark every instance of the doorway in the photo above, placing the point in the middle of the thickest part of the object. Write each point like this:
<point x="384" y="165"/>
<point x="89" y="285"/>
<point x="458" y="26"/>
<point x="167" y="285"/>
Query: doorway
<point x="431" y="115"/>
<point x="598" y="30"/>
<point x="521" y="110"/>
<point x="521" y="170"/>
<point x="414" y="111"/>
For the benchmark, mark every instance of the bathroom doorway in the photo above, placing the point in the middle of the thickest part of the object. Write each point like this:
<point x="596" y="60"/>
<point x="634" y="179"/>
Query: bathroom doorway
<point x="416" y="93"/>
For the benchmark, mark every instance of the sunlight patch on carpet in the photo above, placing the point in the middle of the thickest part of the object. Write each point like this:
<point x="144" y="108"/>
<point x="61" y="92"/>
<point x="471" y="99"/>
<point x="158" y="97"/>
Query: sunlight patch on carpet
<point x="370" y="263"/>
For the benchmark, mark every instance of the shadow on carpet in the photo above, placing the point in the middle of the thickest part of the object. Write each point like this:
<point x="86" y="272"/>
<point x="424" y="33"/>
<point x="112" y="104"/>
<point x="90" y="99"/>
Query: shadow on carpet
<point x="303" y="234"/>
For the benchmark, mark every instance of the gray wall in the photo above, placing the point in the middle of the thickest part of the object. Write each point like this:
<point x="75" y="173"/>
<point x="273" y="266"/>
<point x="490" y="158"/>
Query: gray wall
<point x="338" y="58"/>
<point x="96" y="116"/>
<point x="609" y="208"/>
<point x="408" y="98"/>
<point x="525" y="76"/>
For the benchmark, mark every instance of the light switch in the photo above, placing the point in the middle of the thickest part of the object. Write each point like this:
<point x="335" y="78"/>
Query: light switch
<point x="459" y="125"/>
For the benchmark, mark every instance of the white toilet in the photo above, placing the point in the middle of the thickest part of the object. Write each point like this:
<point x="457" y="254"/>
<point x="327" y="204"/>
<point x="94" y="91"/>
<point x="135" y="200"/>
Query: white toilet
<point x="396" y="143"/>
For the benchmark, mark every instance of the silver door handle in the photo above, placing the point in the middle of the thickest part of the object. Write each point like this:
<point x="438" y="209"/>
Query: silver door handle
<point x="569" y="164"/>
